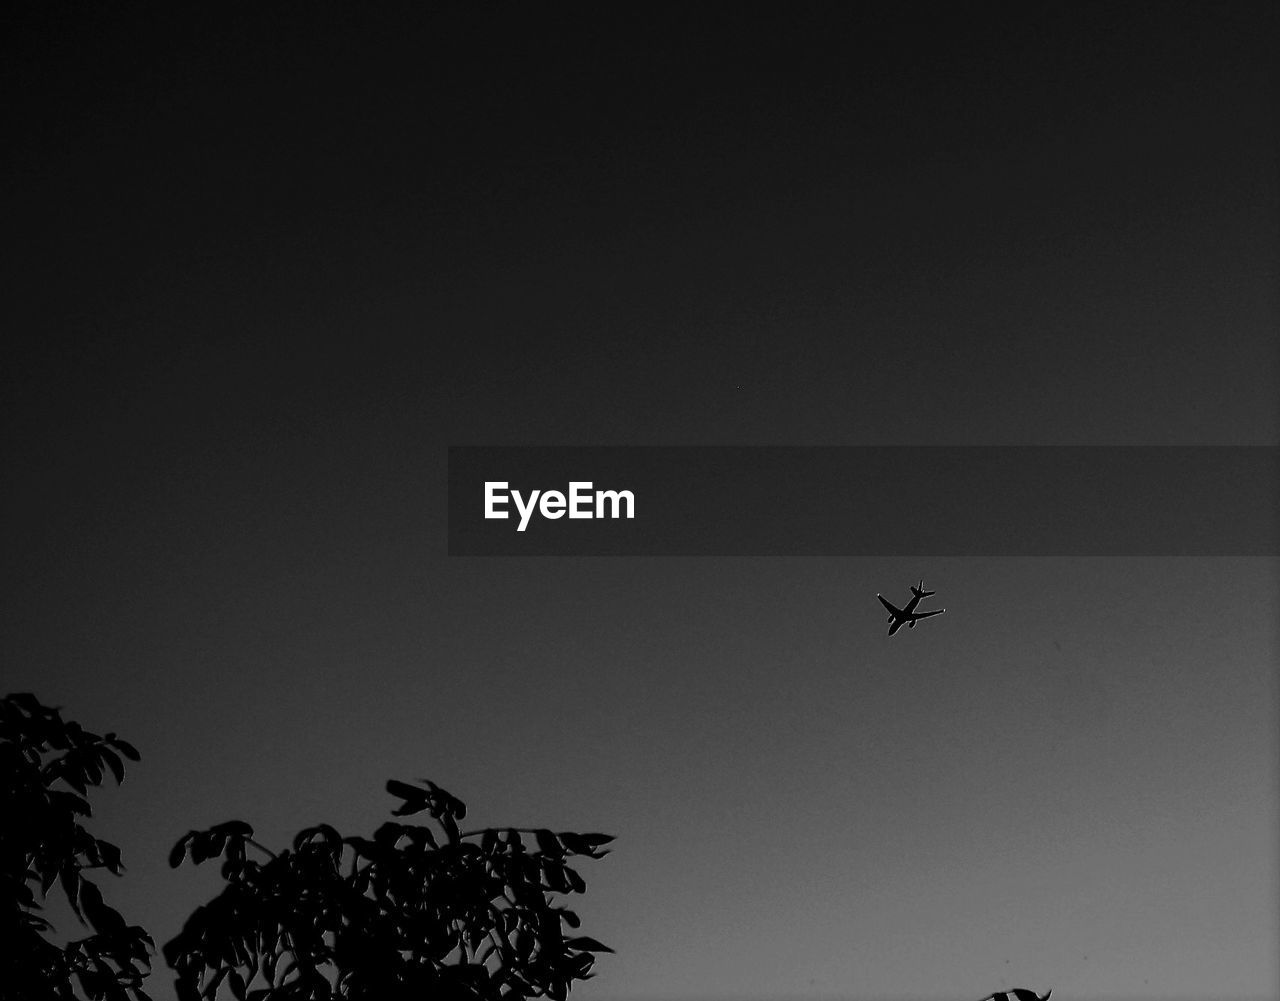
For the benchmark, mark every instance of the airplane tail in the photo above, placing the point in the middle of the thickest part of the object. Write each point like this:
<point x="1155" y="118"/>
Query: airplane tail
<point x="920" y="592"/>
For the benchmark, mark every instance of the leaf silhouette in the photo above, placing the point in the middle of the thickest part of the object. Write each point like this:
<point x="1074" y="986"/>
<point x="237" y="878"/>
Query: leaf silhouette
<point x="46" y="845"/>
<point x="179" y="850"/>
<point x="235" y="829"/>
<point x="113" y="762"/>
<point x="404" y="914"/>
<point x="125" y="748"/>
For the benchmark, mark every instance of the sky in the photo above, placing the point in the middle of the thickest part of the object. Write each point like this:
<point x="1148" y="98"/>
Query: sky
<point x="266" y="266"/>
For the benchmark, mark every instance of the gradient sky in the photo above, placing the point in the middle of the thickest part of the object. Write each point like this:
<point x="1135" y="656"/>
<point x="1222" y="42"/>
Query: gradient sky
<point x="263" y="269"/>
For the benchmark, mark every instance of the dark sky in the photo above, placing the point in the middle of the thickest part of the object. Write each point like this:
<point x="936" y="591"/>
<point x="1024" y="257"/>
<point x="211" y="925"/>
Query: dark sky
<point x="265" y="266"/>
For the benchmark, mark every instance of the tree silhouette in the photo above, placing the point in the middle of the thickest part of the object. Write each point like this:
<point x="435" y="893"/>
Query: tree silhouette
<point x="411" y="913"/>
<point x="47" y="765"/>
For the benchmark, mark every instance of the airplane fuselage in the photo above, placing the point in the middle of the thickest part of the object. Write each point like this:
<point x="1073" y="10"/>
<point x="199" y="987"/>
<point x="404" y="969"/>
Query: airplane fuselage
<point x="908" y="616"/>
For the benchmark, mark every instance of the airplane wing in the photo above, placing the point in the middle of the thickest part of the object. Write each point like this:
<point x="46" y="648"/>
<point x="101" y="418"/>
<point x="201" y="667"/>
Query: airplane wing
<point x="925" y="615"/>
<point x="895" y="611"/>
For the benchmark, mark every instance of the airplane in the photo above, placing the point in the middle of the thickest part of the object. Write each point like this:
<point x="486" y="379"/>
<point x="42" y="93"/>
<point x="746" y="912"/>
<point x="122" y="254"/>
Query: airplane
<point x="1018" y="994"/>
<point x="908" y="616"/>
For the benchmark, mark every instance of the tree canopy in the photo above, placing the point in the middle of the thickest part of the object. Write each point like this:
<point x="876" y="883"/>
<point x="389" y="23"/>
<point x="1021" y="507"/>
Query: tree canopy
<point x="47" y="765"/>
<point x="414" y="912"/>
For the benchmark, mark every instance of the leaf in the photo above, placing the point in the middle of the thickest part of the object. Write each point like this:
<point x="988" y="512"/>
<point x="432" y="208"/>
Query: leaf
<point x="103" y="918"/>
<point x="113" y="762"/>
<point x="415" y="799"/>
<point x="547" y="843"/>
<point x="39" y="924"/>
<point x="201" y="847"/>
<point x="26" y="701"/>
<point x="321" y="832"/>
<point x="48" y="876"/>
<point x="524" y="943"/>
<point x="125" y="748"/>
<point x="587" y="944"/>
<point x="70" y="802"/>
<point x="553" y="872"/>
<point x="71" y="887"/>
<point x="210" y="989"/>
<point x="574" y="843"/>
<point x="445" y="802"/>
<point x="236" y="982"/>
<point x="138" y="943"/>
<point x="234" y="829"/>
<point x="586" y="844"/>
<point x="75" y="779"/>
<point x="111" y="857"/>
<point x="363" y="846"/>
<point x="92" y="768"/>
<point x="179" y="851"/>
<point x="25" y="897"/>
<point x="403" y="790"/>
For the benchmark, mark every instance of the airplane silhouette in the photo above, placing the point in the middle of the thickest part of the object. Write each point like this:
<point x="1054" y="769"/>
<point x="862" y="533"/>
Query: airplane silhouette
<point x="1017" y="993"/>
<point x="908" y="616"/>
